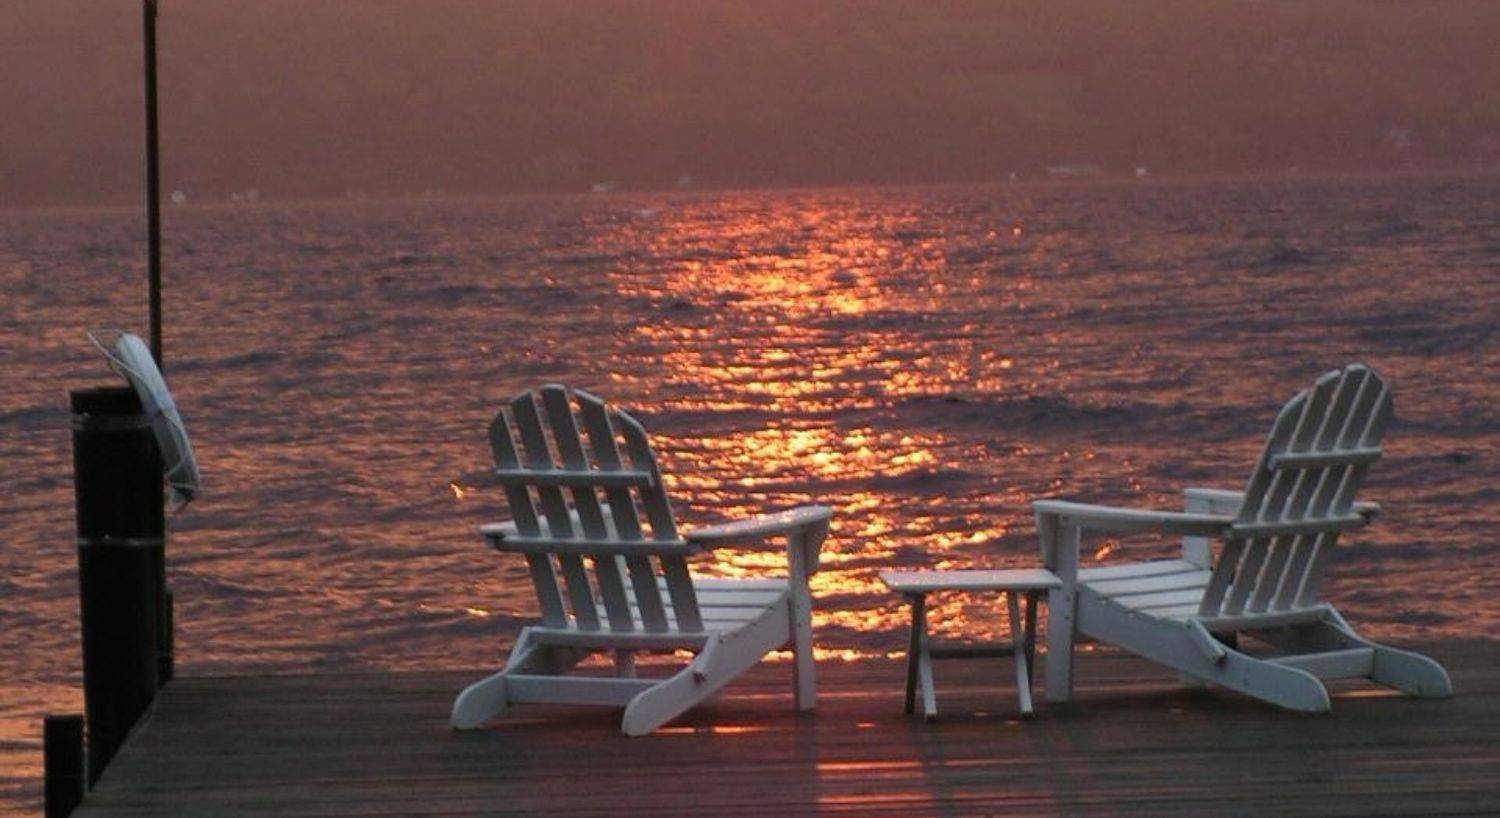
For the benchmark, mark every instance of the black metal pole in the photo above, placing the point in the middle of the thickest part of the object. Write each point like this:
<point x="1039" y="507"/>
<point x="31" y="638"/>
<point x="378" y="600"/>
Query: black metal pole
<point x="119" y="499"/>
<point x="153" y="182"/>
<point x="153" y="243"/>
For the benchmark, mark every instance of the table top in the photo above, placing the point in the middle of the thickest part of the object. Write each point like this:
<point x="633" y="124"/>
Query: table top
<point x="1016" y="579"/>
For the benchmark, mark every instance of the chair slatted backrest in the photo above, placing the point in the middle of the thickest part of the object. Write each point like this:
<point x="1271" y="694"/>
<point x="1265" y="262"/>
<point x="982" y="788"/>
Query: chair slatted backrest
<point x="1301" y="496"/>
<point x="570" y="483"/>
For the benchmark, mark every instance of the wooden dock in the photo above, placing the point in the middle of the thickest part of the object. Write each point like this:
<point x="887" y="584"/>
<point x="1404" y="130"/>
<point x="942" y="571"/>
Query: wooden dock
<point x="1135" y="743"/>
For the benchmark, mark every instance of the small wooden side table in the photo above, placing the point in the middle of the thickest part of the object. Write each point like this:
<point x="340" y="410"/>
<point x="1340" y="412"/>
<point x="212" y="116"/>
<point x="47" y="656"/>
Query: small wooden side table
<point x="1031" y="583"/>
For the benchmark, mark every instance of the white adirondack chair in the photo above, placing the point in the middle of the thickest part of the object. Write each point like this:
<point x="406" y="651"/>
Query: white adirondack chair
<point x="1277" y="537"/>
<point x="601" y="509"/>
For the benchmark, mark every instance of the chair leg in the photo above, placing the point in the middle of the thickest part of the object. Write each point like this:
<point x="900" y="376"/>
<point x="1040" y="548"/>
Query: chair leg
<point x="672" y="697"/>
<point x="1176" y="645"/>
<point x="1289" y="687"/>
<point x="486" y="698"/>
<point x="726" y="656"/>
<point x="480" y="702"/>
<point x="1060" y="636"/>
<point x="914" y="649"/>
<point x="1410" y="672"/>
<point x="1404" y="670"/>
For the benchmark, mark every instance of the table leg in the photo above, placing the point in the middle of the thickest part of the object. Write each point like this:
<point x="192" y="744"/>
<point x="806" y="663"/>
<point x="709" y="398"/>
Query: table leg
<point x="1032" y="597"/>
<point x="915" y="650"/>
<point x="1017" y="638"/>
<point x="929" y="692"/>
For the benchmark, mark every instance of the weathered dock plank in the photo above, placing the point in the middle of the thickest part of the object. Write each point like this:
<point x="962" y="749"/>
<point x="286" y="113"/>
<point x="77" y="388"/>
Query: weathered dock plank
<point x="1134" y="744"/>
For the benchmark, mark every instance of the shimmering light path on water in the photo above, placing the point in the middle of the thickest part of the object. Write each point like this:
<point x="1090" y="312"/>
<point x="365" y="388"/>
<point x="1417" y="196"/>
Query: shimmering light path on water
<point x="924" y="360"/>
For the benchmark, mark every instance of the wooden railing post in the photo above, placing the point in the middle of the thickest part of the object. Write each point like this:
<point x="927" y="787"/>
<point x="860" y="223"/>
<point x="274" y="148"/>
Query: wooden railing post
<point x="62" y="760"/>
<point x="119" y="501"/>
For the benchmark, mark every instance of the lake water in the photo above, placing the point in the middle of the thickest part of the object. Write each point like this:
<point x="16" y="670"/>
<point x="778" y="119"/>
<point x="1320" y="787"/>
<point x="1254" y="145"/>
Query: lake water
<point x="925" y="360"/>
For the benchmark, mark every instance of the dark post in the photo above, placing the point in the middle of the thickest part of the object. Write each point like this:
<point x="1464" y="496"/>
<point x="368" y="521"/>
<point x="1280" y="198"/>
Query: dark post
<point x="62" y="758"/>
<point x="153" y="182"/>
<point x="119" y="496"/>
<point x="166" y="632"/>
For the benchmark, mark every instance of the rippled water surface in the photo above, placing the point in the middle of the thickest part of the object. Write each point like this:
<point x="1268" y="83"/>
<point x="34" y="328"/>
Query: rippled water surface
<point x="926" y="361"/>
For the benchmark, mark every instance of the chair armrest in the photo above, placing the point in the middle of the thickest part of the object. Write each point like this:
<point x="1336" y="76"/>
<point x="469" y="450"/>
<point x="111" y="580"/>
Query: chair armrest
<point x="1117" y="520"/>
<point x="1212" y="501"/>
<point x="759" y="528"/>
<point x="1060" y="524"/>
<point x="805" y="527"/>
<point x="1199" y="550"/>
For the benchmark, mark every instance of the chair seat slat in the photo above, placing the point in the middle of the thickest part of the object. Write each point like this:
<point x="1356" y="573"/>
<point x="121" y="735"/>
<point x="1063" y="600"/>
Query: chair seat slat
<point x="1135" y="570"/>
<point x="1270" y="619"/>
<point x="1189" y="578"/>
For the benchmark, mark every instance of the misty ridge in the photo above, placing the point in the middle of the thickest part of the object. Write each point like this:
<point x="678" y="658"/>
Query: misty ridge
<point x="295" y="98"/>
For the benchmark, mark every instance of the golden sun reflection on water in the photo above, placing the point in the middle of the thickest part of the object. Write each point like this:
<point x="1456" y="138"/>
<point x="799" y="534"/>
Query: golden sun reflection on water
<point x="754" y="351"/>
<point x="771" y="455"/>
<point x="734" y="471"/>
